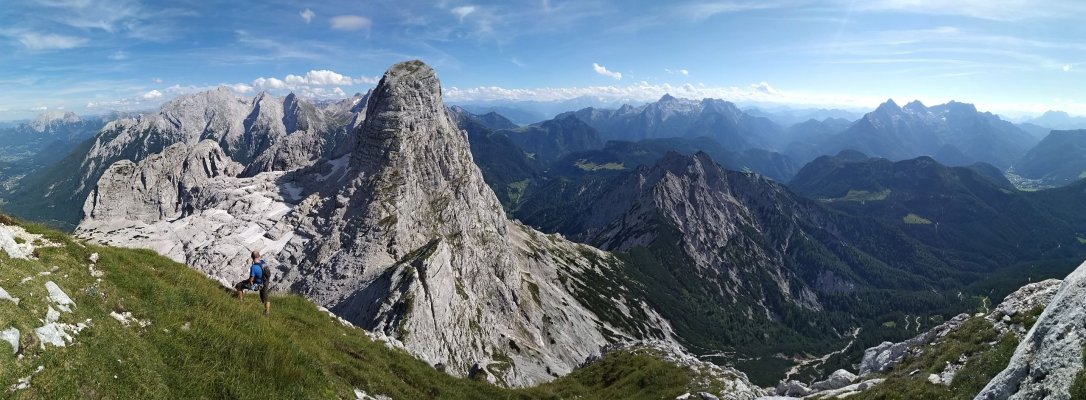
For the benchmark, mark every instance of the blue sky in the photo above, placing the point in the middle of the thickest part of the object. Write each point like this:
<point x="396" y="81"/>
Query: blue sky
<point x="1014" y="57"/>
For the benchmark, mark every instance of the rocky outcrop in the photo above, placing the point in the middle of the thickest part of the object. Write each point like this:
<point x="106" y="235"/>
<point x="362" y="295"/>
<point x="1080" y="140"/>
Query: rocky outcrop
<point x="160" y="186"/>
<point x="1046" y="361"/>
<point x="400" y="235"/>
<point x="838" y="379"/>
<point x="886" y="355"/>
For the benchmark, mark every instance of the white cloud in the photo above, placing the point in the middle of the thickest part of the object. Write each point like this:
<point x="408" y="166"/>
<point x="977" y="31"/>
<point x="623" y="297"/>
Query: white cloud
<point x="605" y="72"/>
<point x="38" y="41"/>
<point x="269" y="83"/>
<point x="307" y="15"/>
<point x="239" y="88"/>
<point x="463" y="11"/>
<point x="118" y="55"/>
<point x="42" y="108"/>
<point x="350" y="22"/>
<point x="157" y="80"/>
<point x="313" y="78"/>
<point x="517" y="62"/>
<point x="682" y="72"/>
<point x="763" y="87"/>
<point x="154" y="94"/>
<point x="1066" y="67"/>
<point x="326" y="77"/>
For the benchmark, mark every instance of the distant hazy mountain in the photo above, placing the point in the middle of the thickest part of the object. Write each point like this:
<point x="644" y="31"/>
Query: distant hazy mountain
<point x="506" y="168"/>
<point x="29" y="146"/>
<point x="1035" y="130"/>
<point x="519" y="116"/>
<point x="785" y="116"/>
<point x="1057" y="160"/>
<point x="1059" y="120"/>
<point x="953" y="133"/>
<point x="803" y="136"/>
<point x="669" y="117"/>
<point x="530" y="112"/>
<point x="554" y="138"/>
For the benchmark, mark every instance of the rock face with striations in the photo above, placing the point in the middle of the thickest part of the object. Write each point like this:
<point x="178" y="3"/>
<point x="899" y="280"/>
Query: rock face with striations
<point x="400" y="235"/>
<point x="1047" y="360"/>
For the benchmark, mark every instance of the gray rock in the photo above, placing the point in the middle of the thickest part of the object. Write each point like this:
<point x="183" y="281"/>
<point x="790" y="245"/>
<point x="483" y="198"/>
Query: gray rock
<point x="792" y="388"/>
<point x="886" y="355"/>
<point x="1046" y="361"/>
<point x="838" y="379"/>
<point x="707" y="396"/>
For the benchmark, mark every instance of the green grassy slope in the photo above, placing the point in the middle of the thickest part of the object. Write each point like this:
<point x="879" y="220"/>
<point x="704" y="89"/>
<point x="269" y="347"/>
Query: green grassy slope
<point x="204" y="343"/>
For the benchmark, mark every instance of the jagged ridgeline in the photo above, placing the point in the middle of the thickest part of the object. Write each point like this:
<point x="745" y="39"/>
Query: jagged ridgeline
<point x="395" y="231"/>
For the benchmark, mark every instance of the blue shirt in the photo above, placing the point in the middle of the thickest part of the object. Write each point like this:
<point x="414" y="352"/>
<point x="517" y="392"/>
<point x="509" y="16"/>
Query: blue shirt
<point x="257" y="273"/>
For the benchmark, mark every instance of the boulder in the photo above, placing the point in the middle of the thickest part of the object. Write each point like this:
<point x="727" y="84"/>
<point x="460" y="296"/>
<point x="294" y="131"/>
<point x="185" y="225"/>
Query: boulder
<point x="838" y="379"/>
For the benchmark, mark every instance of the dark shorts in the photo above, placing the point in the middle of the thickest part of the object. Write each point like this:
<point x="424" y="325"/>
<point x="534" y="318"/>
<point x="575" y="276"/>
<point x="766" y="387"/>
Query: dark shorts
<point x="263" y="289"/>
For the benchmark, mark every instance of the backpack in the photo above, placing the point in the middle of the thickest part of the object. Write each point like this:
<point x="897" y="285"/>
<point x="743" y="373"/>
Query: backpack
<point x="265" y="272"/>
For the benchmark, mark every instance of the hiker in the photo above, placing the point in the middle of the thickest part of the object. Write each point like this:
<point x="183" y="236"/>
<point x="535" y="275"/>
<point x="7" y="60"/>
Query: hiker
<point x="258" y="281"/>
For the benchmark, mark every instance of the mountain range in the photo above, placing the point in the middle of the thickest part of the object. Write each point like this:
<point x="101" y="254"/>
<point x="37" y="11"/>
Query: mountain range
<point x="516" y="254"/>
<point x="395" y="231"/>
<point x="953" y="133"/>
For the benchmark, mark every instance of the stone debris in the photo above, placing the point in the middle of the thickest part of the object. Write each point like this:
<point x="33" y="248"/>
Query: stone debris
<point x="360" y="394"/>
<point x="24" y="383"/>
<point x="93" y="258"/>
<point x="58" y="297"/>
<point x="4" y="295"/>
<point x="127" y="319"/>
<point x="11" y="335"/>
<point x="57" y="333"/>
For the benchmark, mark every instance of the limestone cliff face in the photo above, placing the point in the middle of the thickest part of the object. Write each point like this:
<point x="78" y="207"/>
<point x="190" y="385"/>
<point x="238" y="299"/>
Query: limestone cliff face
<point x="264" y="133"/>
<point x="159" y="187"/>
<point x="1046" y="362"/>
<point x="400" y="235"/>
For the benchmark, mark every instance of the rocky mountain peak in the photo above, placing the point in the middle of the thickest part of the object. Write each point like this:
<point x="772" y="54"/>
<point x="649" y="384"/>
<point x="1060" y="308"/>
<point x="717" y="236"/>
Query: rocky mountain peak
<point x="50" y="119"/>
<point x="916" y="106"/>
<point x="888" y="107"/>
